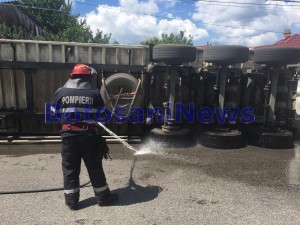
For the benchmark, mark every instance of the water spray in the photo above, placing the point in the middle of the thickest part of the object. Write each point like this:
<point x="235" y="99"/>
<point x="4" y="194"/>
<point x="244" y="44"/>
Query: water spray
<point x="125" y="143"/>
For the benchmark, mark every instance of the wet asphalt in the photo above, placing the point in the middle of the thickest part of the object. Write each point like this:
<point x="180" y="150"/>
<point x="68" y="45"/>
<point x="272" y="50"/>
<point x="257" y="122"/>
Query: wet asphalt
<point x="195" y="185"/>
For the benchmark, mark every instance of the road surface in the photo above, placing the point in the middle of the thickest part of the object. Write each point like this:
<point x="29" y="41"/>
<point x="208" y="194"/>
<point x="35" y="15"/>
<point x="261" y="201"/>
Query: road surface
<point x="194" y="185"/>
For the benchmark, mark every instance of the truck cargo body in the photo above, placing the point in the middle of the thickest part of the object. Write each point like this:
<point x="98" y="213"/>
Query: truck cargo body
<point x="31" y="71"/>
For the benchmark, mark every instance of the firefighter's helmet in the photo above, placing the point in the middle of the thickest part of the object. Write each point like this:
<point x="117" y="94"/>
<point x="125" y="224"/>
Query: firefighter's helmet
<point x="82" y="69"/>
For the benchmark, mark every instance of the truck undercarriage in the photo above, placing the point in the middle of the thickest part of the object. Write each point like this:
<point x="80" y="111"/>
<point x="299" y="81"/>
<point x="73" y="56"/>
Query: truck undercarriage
<point x="212" y="80"/>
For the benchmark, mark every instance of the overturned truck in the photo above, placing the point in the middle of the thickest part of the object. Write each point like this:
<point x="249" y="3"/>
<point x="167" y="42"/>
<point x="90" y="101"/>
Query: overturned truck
<point x="218" y="96"/>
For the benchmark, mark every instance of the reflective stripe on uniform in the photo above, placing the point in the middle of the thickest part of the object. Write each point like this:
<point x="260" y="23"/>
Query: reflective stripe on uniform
<point x="78" y="109"/>
<point x="71" y="191"/>
<point x="101" y="189"/>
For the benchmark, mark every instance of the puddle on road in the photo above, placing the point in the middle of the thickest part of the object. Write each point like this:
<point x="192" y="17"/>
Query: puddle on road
<point x="252" y="165"/>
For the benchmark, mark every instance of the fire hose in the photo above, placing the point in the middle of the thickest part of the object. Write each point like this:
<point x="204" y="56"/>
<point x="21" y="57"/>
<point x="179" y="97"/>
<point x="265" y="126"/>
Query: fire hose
<point x="81" y="186"/>
<point x="38" y="190"/>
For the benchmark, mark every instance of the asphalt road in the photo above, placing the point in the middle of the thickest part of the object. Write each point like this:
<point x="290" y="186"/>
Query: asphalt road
<point x="194" y="185"/>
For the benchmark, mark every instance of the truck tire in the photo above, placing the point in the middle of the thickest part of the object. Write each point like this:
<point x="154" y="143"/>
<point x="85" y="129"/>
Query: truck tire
<point x="122" y="80"/>
<point x="226" y="55"/>
<point x="222" y="139"/>
<point x="277" y="55"/>
<point x="172" y="138"/>
<point x="275" y="139"/>
<point x="174" y="54"/>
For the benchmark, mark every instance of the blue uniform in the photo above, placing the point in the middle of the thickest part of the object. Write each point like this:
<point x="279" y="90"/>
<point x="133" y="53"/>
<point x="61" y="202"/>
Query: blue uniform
<point x="80" y="140"/>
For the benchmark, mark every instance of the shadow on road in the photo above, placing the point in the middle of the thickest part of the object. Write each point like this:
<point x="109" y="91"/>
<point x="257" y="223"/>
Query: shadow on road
<point x="132" y="194"/>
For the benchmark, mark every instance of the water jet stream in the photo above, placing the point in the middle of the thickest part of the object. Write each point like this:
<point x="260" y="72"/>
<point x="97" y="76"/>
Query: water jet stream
<point x="125" y="143"/>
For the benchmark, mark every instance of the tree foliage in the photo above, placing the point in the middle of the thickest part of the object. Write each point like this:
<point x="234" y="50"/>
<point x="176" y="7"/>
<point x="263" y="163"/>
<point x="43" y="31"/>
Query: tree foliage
<point x="53" y="20"/>
<point x="102" y="38"/>
<point x="11" y="32"/>
<point x="170" y="39"/>
<point x="57" y="22"/>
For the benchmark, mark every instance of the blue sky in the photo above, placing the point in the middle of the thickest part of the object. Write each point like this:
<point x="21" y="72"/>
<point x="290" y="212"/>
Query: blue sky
<point x="245" y="22"/>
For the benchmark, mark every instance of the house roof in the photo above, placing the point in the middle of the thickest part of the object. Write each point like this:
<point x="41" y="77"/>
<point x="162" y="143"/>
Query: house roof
<point x="291" y="41"/>
<point x="13" y="15"/>
<point x="201" y="46"/>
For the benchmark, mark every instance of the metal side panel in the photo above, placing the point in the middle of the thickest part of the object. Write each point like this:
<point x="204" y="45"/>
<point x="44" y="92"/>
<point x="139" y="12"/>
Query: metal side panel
<point x="39" y="90"/>
<point x="50" y="81"/>
<point x="31" y="52"/>
<point x="20" y="89"/>
<point x="6" y="52"/>
<point x="32" y="126"/>
<point x="110" y="57"/>
<point x="136" y="57"/>
<point x="57" y="56"/>
<point x="56" y="79"/>
<point x="97" y="55"/>
<point x="61" y="78"/>
<point x="8" y="89"/>
<point x="71" y="52"/>
<point x="21" y="52"/>
<point x="123" y="56"/>
<point x="83" y="54"/>
<point x="45" y="83"/>
<point x="43" y="53"/>
<point x="139" y="56"/>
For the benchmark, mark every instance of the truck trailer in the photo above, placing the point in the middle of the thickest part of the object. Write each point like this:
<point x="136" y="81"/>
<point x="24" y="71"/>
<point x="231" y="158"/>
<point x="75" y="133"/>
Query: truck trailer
<point x="158" y="78"/>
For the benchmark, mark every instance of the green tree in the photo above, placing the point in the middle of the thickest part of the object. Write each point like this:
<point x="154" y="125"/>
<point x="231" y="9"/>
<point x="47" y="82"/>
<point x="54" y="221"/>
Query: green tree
<point x="170" y="39"/>
<point x="57" y="22"/>
<point x="102" y="38"/>
<point x="115" y="42"/>
<point x="14" y="32"/>
<point x="52" y="15"/>
<point x="5" y="31"/>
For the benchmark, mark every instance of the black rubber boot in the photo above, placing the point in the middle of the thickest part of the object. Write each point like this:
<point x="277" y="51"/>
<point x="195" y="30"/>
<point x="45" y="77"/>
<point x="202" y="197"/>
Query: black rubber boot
<point x="72" y="200"/>
<point x="106" y="197"/>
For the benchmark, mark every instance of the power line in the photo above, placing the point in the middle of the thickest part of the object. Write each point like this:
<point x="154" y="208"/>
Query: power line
<point x="249" y="7"/>
<point x="164" y="17"/>
<point x="285" y="1"/>
<point x="221" y="4"/>
<point x="143" y="14"/>
<point x="269" y="7"/>
<point x="215" y="1"/>
<point x="31" y="7"/>
<point x="241" y="28"/>
<point x="243" y="3"/>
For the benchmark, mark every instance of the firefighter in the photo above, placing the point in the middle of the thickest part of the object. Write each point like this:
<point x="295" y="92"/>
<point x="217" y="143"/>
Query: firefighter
<point x="80" y="140"/>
